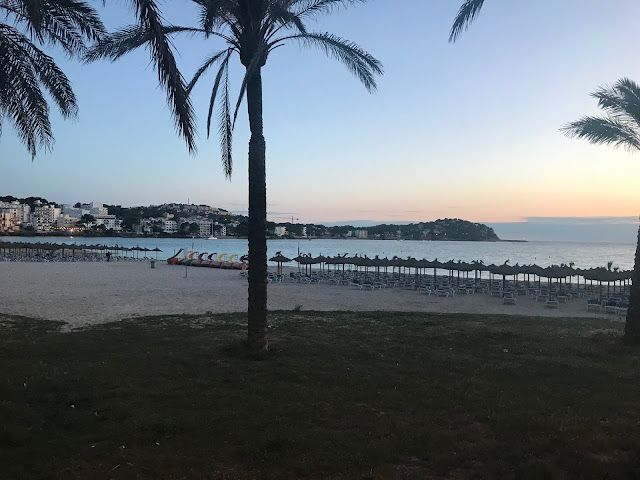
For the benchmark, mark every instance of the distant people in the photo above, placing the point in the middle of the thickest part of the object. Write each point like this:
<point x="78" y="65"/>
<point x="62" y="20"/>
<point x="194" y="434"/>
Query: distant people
<point x="108" y="256"/>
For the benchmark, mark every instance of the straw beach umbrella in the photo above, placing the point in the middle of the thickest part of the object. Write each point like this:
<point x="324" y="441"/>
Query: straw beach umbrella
<point x="279" y="259"/>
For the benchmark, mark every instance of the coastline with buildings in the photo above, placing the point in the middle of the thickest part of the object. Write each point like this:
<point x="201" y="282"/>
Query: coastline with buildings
<point x="39" y="217"/>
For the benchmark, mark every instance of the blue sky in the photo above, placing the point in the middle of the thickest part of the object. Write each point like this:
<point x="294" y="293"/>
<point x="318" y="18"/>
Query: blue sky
<point x="468" y="130"/>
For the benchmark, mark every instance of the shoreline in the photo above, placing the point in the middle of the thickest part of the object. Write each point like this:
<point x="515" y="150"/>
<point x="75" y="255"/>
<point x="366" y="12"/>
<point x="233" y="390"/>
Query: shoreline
<point x="234" y="237"/>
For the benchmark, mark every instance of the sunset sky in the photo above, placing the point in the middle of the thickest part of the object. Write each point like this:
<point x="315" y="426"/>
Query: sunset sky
<point x="466" y="130"/>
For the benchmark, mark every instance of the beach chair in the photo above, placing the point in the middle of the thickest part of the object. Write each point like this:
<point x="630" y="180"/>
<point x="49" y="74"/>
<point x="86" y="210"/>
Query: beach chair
<point x="509" y="300"/>
<point x="552" y="303"/>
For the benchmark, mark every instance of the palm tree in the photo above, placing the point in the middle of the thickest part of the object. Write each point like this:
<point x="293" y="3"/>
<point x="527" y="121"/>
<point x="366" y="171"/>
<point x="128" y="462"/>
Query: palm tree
<point x="620" y="128"/>
<point x="25" y="69"/>
<point x="252" y="29"/>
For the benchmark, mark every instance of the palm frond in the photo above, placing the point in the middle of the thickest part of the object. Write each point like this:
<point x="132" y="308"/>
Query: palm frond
<point x="80" y="14"/>
<point x="54" y="80"/>
<point x="128" y="39"/>
<point x="310" y="8"/>
<point x="21" y="97"/>
<point x="214" y="13"/>
<point x="63" y="22"/>
<point x="204" y="67"/>
<point x="168" y="73"/>
<point x="224" y="66"/>
<point x="621" y="100"/>
<point x="362" y="64"/>
<point x="225" y="129"/>
<point x="598" y="130"/>
<point x="280" y="15"/>
<point x="468" y="12"/>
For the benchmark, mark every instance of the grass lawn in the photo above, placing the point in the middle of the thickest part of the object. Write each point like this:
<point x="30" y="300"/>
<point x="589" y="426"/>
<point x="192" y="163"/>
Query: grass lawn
<point x="340" y="396"/>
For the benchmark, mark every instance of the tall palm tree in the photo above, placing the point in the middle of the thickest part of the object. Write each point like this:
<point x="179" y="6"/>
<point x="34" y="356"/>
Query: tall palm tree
<point x="620" y="128"/>
<point x="251" y="29"/>
<point x="25" y="69"/>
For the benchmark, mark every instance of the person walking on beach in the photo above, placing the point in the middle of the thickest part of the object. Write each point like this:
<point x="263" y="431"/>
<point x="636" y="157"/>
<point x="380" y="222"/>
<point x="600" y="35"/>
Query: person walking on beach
<point x="108" y="256"/>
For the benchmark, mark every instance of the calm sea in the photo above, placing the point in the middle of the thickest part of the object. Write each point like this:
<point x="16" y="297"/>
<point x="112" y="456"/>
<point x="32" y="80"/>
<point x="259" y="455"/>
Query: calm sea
<point x="583" y="254"/>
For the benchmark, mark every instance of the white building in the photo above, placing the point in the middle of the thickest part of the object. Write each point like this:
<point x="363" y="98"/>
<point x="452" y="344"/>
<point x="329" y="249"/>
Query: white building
<point x="43" y="217"/>
<point x="280" y="231"/>
<point x="145" y="226"/>
<point x="8" y="222"/>
<point x="75" y="212"/>
<point x="361" y="234"/>
<point x="110" y="222"/>
<point x="96" y="209"/>
<point x="169" y="226"/>
<point x="205" y="228"/>
<point x="18" y="210"/>
<point x="66" y="221"/>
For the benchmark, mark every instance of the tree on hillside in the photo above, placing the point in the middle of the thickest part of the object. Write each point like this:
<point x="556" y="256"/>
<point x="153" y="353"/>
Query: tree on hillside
<point x="87" y="219"/>
<point x="252" y="29"/>
<point x="620" y="127"/>
<point x="25" y="70"/>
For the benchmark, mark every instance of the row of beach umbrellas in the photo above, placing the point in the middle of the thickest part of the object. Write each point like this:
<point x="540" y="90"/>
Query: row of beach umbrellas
<point x="73" y="247"/>
<point x="552" y="272"/>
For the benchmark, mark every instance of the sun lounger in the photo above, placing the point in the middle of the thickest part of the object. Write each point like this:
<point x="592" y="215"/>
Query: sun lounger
<point x="593" y="307"/>
<point x="508" y="301"/>
<point x="552" y="303"/>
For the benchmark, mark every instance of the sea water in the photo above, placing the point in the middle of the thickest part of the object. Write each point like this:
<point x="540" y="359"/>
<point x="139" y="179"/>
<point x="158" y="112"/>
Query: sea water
<point x="581" y="254"/>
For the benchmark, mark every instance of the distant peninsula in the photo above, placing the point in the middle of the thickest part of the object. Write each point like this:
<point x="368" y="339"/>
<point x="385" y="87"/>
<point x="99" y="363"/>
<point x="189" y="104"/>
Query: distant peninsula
<point x="38" y="216"/>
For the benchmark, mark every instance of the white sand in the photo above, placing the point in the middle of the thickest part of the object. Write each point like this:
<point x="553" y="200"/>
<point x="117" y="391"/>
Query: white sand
<point x="84" y="293"/>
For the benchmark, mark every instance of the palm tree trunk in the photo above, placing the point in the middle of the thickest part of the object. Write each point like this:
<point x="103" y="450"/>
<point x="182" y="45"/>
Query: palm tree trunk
<point x="257" y="317"/>
<point x="632" y="325"/>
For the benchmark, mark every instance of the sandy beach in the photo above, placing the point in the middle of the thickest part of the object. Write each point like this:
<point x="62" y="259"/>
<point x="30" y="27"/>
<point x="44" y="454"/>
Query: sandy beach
<point x="85" y="293"/>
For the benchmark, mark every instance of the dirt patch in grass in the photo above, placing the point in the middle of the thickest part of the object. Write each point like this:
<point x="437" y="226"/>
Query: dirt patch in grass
<point x="341" y="396"/>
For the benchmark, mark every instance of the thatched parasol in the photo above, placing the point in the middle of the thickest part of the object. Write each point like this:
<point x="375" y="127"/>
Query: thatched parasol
<point x="279" y="259"/>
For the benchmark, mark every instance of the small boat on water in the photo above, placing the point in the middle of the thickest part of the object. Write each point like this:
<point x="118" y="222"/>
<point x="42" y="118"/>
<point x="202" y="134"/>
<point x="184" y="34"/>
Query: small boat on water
<point x="212" y="238"/>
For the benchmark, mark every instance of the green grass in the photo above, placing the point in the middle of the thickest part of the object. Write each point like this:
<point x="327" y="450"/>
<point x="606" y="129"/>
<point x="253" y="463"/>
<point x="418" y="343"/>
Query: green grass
<point x="341" y="396"/>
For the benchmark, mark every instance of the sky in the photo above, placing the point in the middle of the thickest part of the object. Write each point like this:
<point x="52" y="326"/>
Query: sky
<point x="467" y="130"/>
